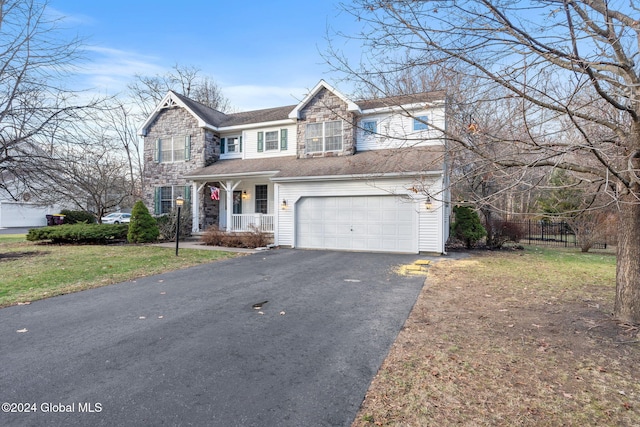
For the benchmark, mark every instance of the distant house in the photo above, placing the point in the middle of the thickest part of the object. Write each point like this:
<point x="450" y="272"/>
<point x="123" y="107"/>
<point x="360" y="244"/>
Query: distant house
<point x="20" y="208"/>
<point x="327" y="173"/>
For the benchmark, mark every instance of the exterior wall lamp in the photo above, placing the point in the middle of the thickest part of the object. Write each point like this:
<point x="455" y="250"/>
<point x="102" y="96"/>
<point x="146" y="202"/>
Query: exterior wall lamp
<point x="428" y="204"/>
<point x="284" y="204"/>
<point x="245" y="196"/>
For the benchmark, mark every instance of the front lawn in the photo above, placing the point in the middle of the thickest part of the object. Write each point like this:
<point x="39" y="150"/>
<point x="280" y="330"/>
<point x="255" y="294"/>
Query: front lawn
<point x="33" y="271"/>
<point x="509" y="338"/>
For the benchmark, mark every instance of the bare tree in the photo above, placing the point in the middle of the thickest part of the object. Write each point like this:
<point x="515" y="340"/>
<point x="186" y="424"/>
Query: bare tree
<point x="148" y="91"/>
<point x="91" y="174"/>
<point x="35" y="107"/>
<point x="563" y="72"/>
<point x="119" y="125"/>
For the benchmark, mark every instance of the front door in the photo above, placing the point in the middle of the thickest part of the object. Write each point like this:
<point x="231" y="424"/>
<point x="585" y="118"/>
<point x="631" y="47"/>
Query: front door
<point x="237" y="202"/>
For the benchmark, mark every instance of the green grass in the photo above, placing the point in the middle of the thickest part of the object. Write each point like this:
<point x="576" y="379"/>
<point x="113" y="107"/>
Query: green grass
<point x="549" y="270"/>
<point x="34" y="271"/>
<point x="12" y="238"/>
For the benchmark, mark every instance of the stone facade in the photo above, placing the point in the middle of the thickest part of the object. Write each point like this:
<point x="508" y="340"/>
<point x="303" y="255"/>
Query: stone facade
<point x="323" y="107"/>
<point x="175" y="121"/>
<point x="205" y="149"/>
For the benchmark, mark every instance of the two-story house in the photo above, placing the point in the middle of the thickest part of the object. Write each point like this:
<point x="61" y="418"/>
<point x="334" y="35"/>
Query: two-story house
<point x="327" y="173"/>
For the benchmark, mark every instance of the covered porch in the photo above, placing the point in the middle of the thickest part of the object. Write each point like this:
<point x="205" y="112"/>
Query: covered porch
<point x="237" y="195"/>
<point x="238" y="204"/>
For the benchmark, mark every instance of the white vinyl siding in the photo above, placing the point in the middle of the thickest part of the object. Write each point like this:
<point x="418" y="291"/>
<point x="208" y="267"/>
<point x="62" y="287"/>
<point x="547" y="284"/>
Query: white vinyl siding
<point x="250" y="143"/>
<point x="395" y="130"/>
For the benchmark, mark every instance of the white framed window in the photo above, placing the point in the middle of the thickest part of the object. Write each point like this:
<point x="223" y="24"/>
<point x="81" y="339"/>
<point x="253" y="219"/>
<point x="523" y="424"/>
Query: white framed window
<point x="369" y="127"/>
<point x="420" y="123"/>
<point x="325" y="136"/>
<point x="233" y="144"/>
<point x="172" y="149"/>
<point x="271" y="140"/>
<point x="165" y="197"/>
<point x="262" y="200"/>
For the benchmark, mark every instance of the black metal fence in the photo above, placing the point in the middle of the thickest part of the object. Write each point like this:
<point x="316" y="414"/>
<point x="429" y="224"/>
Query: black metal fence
<point x="536" y="232"/>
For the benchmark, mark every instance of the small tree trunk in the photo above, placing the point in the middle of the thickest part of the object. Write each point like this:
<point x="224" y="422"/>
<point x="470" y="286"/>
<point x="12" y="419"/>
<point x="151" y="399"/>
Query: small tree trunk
<point x="627" y="306"/>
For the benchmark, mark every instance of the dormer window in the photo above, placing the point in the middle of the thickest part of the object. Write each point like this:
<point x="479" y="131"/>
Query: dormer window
<point x="325" y="136"/>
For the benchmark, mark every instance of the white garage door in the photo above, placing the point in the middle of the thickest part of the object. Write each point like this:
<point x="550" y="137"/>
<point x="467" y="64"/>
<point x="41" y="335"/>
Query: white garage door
<point x="360" y="223"/>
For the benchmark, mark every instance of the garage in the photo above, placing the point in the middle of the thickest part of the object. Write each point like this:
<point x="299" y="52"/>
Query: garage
<point x="358" y="223"/>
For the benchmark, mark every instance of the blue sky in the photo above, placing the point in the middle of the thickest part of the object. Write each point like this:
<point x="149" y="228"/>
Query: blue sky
<point x="262" y="53"/>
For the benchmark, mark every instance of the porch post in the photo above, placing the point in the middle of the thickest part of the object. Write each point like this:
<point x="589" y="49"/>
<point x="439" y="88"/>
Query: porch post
<point x="195" y="206"/>
<point x="230" y="188"/>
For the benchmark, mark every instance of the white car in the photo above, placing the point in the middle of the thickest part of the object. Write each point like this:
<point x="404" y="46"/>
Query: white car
<point x="116" y="218"/>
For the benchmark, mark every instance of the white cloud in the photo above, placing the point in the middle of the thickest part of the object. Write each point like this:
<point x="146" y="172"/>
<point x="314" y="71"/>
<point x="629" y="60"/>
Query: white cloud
<point x="110" y="70"/>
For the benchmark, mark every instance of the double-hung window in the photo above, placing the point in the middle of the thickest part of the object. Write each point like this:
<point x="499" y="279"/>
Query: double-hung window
<point x="262" y="202"/>
<point x="325" y="136"/>
<point x="165" y="197"/>
<point x="231" y="145"/>
<point x="172" y="149"/>
<point x="271" y="140"/>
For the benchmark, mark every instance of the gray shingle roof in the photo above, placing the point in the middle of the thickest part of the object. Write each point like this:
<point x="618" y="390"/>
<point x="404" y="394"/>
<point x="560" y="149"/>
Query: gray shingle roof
<point x="220" y="119"/>
<point x="257" y="116"/>
<point x="375" y="162"/>
<point x="392" y="101"/>
<point x="207" y="114"/>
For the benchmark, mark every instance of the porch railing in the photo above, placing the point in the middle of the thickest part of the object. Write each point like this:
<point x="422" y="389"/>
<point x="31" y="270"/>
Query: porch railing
<point x="247" y="222"/>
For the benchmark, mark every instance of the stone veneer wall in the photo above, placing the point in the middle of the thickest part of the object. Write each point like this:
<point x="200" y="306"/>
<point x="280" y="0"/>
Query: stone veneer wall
<point x="205" y="150"/>
<point x="326" y="106"/>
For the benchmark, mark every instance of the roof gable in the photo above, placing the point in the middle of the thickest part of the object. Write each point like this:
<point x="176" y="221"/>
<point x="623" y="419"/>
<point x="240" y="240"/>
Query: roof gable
<point x="206" y="116"/>
<point x="351" y="106"/>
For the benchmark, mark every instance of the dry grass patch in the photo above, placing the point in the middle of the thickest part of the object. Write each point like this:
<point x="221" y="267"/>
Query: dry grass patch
<point x="511" y="338"/>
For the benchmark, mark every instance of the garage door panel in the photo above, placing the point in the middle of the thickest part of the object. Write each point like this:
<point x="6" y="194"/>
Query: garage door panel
<point x="367" y="223"/>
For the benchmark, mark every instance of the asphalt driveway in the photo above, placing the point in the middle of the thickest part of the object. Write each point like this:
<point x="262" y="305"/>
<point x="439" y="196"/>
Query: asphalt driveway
<point x="188" y="348"/>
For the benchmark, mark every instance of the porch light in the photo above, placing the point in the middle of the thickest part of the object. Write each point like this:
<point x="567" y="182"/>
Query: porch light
<point x="428" y="204"/>
<point x="284" y="203"/>
<point x="245" y="196"/>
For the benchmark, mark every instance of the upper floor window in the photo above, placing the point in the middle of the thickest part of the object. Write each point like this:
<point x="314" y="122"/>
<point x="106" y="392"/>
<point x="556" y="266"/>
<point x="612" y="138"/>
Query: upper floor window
<point x="231" y="145"/>
<point x="172" y="149"/>
<point x="370" y="127"/>
<point x="273" y="140"/>
<point x="326" y="136"/>
<point x="420" y="123"/>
